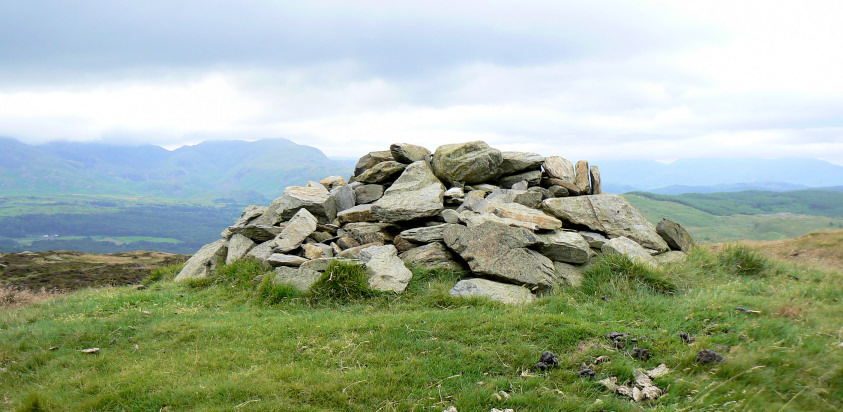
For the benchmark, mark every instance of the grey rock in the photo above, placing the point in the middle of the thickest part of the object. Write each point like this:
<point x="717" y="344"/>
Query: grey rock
<point x="472" y="218"/>
<point x="426" y="234"/>
<point x="387" y="270"/>
<point x="365" y="232"/>
<point x="565" y="246"/>
<point x="499" y="251"/>
<point x="568" y="274"/>
<point x="500" y="292"/>
<point x="558" y="191"/>
<point x="346" y="242"/>
<point x="609" y="214"/>
<point x="299" y="278"/>
<point x="368" y="193"/>
<point x="594" y="239"/>
<point x="300" y="226"/>
<point x="517" y="162"/>
<point x="675" y="235"/>
<point x="572" y="189"/>
<point x="250" y="213"/>
<point x="408" y="153"/>
<point x="318" y="265"/>
<point x="522" y="185"/>
<point x="262" y="251"/>
<point x="529" y="198"/>
<point x="533" y="178"/>
<point x="368" y="160"/>
<point x="450" y="215"/>
<point x="545" y="193"/>
<point x="416" y="194"/>
<point x="596" y="184"/>
<point x="359" y="213"/>
<point x="332" y="182"/>
<point x="402" y="244"/>
<point x="270" y="216"/>
<point x="382" y="172"/>
<point x="315" y="184"/>
<point x="320" y="237"/>
<point x="486" y="187"/>
<point x="627" y="247"/>
<point x="671" y="257"/>
<point x="317" y="250"/>
<point x="521" y="213"/>
<point x="344" y="196"/>
<point x="354" y="252"/>
<point x="582" y="179"/>
<point x="317" y="201"/>
<point x="455" y="192"/>
<point x="472" y="162"/>
<point x="238" y="246"/>
<point x="204" y="262"/>
<point x="280" y="259"/>
<point x="258" y="233"/>
<point x="431" y="255"/>
<point x="559" y="168"/>
<point x="474" y="200"/>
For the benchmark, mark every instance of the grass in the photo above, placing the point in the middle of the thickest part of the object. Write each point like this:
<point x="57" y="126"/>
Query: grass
<point x="229" y="344"/>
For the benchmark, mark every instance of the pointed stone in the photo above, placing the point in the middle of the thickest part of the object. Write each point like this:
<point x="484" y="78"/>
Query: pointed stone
<point x="675" y="235"/>
<point x="560" y="168"/>
<point x="582" y="180"/>
<point x="416" y="194"/>
<point x="238" y="246"/>
<point x="298" y="229"/>
<point x="408" y="153"/>
<point x="596" y="185"/>
<point x="205" y="261"/>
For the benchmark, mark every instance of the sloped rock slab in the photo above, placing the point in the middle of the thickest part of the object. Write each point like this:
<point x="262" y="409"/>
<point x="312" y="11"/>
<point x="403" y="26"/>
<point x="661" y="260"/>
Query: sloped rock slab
<point x="517" y="162"/>
<point x="408" y="153"/>
<point x="387" y="270"/>
<point x="609" y="214"/>
<point x="425" y="234"/>
<point x="416" y="194"/>
<point x="381" y="172"/>
<point x="302" y="224"/>
<point x="499" y="251"/>
<point x="370" y="159"/>
<point x="431" y="255"/>
<point x="204" y="261"/>
<point x="359" y="213"/>
<point x="559" y="168"/>
<point x="564" y="246"/>
<point x="280" y="259"/>
<point x="238" y="246"/>
<point x="500" y="292"/>
<point x="516" y="211"/>
<point x="317" y="200"/>
<point x="258" y="233"/>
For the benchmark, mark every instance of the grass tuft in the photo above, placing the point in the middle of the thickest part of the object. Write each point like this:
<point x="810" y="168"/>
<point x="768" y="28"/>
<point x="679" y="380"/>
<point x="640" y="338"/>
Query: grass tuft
<point x="272" y="294"/>
<point x="164" y="273"/>
<point x="612" y="272"/>
<point x="741" y="260"/>
<point x="342" y="282"/>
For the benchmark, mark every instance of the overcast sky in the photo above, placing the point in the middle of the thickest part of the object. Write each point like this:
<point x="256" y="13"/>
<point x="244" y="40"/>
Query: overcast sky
<point x="594" y="80"/>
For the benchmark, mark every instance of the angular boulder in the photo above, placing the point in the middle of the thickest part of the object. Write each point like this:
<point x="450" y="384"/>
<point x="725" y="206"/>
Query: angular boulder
<point x="416" y="194"/>
<point x="530" y="198"/>
<point x="472" y="162"/>
<point x="431" y="255"/>
<point x="332" y="182"/>
<point x="365" y="194"/>
<point x="255" y="232"/>
<point x="408" y="153"/>
<point x="564" y="246"/>
<point x="316" y="200"/>
<point x="627" y="247"/>
<point x="299" y="278"/>
<point x="366" y="232"/>
<point x="532" y="177"/>
<point x="675" y="235"/>
<point x="521" y="213"/>
<point x="499" y="251"/>
<point x="381" y="172"/>
<point x="261" y="252"/>
<point x="500" y="292"/>
<point x="238" y="246"/>
<point x="596" y="185"/>
<point x="582" y="178"/>
<point x="372" y="158"/>
<point x="344" y="196"/>
<point x="359" y="213"/>
<point x="609" y="214"/>
<point x="387" y="270"/>
<point x="559" y="168"/>
<point x="517" y="162"/>
<point x="298" y="228"/>
<point x="204" y="262"/>
<point x="425" y="234"/>
<point x="280" y="259"/>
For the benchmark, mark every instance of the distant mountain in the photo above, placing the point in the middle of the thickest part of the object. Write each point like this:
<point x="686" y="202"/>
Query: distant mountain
<point x="237" y="170"/>
<point x="718" y="175"/>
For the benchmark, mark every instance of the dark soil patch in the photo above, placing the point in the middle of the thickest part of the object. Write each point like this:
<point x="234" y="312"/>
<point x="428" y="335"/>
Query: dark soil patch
<point x="67" y="270"/>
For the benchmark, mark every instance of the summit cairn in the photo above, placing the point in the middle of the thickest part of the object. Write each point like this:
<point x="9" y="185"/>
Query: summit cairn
<point x="517" y="223"/>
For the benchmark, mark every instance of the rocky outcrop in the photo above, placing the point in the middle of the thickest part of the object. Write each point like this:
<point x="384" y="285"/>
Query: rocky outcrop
<point x="521" y="223"/>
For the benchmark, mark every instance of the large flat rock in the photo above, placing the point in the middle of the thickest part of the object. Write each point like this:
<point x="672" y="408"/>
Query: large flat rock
<point x="416" y="194"/>
<point x="431" y="255"/>
<point x="564" y="246"/>
<point x="408" y="153"/>
<point x="627" y="247"/>
<point x="317" y="200"/>
<point x="517" y="162"/>
<point x="499" y="251"/>
<point x="500" y="292"/>
<point x="609" y="214"/>
<point x="387" y="270"/>
<point x="300" y="226"/>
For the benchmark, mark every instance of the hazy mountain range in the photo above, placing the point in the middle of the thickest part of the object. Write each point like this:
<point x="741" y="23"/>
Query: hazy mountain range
<point x="243" y="171"/>
<point x="253" y="172"/>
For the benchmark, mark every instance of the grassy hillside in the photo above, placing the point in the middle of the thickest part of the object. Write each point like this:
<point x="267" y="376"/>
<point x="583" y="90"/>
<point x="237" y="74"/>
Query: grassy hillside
<point x="804" y="202"/>
<point x="723" y="227"/>
<point x="226" y="344"/>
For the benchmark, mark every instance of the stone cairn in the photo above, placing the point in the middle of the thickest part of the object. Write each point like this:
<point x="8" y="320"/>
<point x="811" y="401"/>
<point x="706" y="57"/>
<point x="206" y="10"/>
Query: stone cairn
<point x="519" y="223"/>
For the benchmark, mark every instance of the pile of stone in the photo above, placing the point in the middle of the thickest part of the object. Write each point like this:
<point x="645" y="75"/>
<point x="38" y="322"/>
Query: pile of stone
<point x="520" y="223"/>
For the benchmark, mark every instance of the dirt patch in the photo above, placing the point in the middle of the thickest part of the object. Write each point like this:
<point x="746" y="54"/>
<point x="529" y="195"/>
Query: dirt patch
<point x="67" y="270"/>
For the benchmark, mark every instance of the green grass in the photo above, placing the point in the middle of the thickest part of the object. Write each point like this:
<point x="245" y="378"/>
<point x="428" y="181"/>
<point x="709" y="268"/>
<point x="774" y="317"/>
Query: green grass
<point x="222" y="344"/>
<point x="708" y="227"/>
<point x="756" y="202"/>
